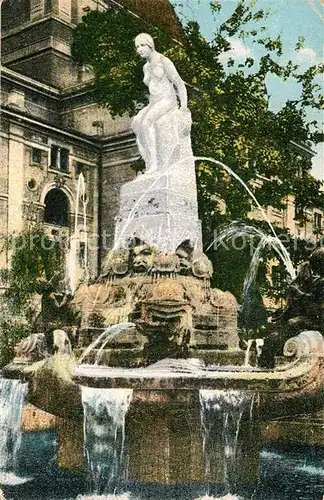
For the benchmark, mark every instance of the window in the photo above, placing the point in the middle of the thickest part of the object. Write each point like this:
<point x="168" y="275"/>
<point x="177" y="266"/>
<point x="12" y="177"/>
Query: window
<point x="318" y="221"/>
<point x="299" y="211"/>
<point x="36" y="156"/>
<point x="59" y="158"/>
<point x="64" y="160"/>
<point x="31" y="184"/>
<point x="54" y="156"/>
<point x="48" y="6"/>
<point x="56" y="208"/>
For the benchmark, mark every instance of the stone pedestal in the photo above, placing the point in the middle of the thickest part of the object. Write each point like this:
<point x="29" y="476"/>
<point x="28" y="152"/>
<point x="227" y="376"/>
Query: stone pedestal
<point x="164" y="444"/>
<point x="35" y="419"/>
<point x="160" y="209"/>
<point x="70" y="454"/>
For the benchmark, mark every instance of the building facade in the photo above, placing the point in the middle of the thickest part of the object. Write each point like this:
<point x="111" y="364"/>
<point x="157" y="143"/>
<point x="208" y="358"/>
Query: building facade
<point x="52" y="131"/>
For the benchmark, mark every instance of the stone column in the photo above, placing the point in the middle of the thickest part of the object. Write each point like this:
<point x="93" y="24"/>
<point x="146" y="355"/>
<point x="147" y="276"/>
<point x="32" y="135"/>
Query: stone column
<point x="148" y="445"/>
<point x="164" y="444"/>
<point x="4" y="172"/>
<point x="62" y="9"/>
<point x="70" y="454"/>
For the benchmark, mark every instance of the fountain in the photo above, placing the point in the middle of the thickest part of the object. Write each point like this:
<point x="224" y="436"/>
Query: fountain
<point x="158" y="383"/>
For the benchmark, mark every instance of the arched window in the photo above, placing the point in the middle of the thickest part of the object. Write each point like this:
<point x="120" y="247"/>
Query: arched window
<point x="56" y="208"/>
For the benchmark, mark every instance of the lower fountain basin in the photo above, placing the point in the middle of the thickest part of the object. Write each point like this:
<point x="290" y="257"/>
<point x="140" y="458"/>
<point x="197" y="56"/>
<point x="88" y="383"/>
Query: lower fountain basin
<point x="295" y="386"/>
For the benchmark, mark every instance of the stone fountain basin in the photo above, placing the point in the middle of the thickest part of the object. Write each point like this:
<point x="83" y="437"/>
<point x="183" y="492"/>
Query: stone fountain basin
<point x="295" y="386"/>
<point x="294" y="390"/>
<point x="218" y="377"/>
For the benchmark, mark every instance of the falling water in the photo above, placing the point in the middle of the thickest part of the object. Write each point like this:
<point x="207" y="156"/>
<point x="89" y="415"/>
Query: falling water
<point x="248" y="352"/>
<point x="236" y="229"/>
<point x="12" y="397"/>
<point x="246" y="187"/>
<point x="103" y="339"/>
<point x="104" y="435"/>
<point x="123" y="496"/>
<point x="221" y="416"/>
<point x="72" y="266"/>
<point x="225" y="497"/>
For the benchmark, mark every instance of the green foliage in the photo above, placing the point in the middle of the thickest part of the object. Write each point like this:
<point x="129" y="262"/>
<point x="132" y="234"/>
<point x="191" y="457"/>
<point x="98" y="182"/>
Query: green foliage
<point x="104" y="41"/>
<point x="34" y="257"/>
<point x="11" y="332"/>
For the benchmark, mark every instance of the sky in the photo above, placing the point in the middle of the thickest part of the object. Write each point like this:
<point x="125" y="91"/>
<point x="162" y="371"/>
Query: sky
<point x="290" y="19"/>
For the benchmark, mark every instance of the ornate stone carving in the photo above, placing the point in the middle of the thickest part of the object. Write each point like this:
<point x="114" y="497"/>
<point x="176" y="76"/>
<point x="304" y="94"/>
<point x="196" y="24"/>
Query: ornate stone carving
<point x="201" y="266"/>
<point x="305" y="344"/>
<point x="165" y="264"/>
<point x="32" y="212"/>
<point x="59" y="180"/>
<point x="143" y="259"/>
<point x="31" y="348"/>
<point x="116" y="263"/>
<point x="305" y="309"/>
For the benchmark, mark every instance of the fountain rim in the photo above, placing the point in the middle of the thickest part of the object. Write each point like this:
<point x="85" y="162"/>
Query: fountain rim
<point x="261" y="380"/>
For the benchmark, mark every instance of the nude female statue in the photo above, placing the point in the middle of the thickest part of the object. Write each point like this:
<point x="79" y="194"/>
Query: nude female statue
<point x="167" y="92"/>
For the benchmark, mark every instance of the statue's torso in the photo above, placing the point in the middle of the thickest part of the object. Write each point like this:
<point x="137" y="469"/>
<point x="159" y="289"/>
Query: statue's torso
<point x="159" y="85"/>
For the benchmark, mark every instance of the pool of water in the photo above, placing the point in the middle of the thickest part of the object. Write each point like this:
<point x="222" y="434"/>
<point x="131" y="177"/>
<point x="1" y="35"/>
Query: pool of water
<point x="286" y="473"/>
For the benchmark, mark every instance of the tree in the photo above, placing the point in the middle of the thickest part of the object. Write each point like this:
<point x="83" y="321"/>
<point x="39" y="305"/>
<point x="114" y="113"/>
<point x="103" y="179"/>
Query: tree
<point x="35" y="258"/>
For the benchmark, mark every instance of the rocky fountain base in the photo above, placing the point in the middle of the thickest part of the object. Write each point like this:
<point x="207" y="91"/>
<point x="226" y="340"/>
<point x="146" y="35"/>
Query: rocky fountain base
<point x="168" y="298"/>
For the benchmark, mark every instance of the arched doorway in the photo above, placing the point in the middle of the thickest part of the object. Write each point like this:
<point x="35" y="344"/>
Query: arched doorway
<point x="56" y="208"/>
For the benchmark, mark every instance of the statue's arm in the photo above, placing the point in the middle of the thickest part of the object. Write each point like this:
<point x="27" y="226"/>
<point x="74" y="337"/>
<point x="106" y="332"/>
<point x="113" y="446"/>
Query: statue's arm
<point x="177" y="81"/>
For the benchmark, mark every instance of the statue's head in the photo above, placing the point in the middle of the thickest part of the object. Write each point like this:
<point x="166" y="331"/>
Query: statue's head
<point x="142" y="41"/>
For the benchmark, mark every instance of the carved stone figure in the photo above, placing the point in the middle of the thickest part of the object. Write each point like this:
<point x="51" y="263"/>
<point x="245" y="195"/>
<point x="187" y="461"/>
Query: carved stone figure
<point x="61" y="342"/>
<point x="160" y="207"/>
<point x="201" y="266"/>
<point x="305" y="308"/>
<point x="166" y="88"/>
<point x="115" y="263"/>
<point x="143" y="256"/>
<point x="165" y="319"/>
<point x="184" y="252"/>
<point x="31" y="348"/>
